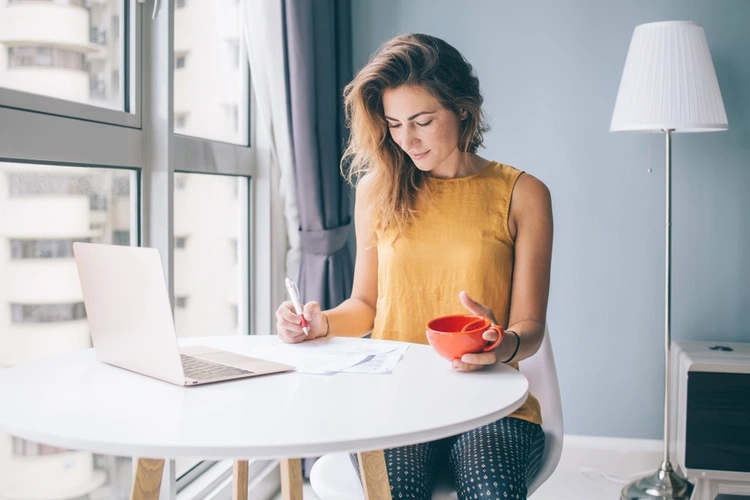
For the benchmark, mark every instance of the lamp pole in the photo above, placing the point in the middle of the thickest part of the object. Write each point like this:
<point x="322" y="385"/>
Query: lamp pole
<point x="667" y="296"/>
<point x="665" y="483"/>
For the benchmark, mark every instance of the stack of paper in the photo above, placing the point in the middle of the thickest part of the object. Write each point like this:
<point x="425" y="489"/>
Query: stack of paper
<point x="327" y="356"/>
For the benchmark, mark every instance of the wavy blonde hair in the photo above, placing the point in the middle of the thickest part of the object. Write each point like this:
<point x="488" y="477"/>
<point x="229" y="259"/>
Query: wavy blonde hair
<point x="396" y="183"/>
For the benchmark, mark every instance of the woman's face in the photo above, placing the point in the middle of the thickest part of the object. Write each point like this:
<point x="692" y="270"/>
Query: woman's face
<point x="424" y="129"/>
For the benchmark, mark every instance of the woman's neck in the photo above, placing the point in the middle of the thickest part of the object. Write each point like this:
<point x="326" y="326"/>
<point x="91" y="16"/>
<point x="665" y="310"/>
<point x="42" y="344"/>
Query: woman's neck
<point x="460" y="165"/>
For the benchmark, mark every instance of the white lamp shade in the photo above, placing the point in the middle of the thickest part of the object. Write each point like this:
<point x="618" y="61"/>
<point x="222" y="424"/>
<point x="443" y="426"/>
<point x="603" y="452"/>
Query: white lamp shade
<point x="669" y="82"/>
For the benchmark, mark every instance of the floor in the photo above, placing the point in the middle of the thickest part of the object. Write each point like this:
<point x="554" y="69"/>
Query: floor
<point x="592" y="469"/>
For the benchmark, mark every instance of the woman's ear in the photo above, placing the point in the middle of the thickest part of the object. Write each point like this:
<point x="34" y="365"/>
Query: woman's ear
<point x="464" y="114"/>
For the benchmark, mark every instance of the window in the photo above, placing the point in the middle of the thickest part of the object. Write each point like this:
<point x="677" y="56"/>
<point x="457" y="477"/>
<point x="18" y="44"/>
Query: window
<point x="234" y="117"/>
<point x="43" y="249"/>
<point x="234" y="249"/>
<point x="46" y="183"/>
<point x="74" y="78"/>
<point x="76" y="3"/>
<point x="209" y="215"/>
<point x="65" y="53"/>
<point x="47" y="313"/>
<point x="121" y="185"/>
<point x="213" y="88"/>
<point x="98" y="35"/>
<point x="234" y="52"/>
<point x="120" y="237"/>
<point x="234" y="315"/>
<point x="24" y="448"/>
<point x="45" y="57"/>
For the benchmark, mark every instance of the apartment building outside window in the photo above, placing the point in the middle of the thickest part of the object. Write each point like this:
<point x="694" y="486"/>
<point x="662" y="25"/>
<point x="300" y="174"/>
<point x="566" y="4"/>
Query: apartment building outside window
<point x="73" y="74"/>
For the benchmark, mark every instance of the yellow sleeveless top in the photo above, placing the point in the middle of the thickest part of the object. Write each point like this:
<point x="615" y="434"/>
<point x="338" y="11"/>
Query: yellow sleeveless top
<point x="460" y="241"/>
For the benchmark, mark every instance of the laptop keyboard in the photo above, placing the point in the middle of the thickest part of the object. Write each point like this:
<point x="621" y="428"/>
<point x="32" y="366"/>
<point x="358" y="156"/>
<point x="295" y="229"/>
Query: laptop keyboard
<point x="200" y="369"/>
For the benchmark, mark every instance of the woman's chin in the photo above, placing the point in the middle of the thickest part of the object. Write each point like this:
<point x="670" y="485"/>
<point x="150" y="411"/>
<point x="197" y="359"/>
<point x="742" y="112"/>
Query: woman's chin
<point x="424" y="166"/>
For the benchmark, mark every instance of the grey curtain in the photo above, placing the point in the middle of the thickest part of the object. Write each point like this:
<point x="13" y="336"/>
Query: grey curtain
<point x="319" y="58"/>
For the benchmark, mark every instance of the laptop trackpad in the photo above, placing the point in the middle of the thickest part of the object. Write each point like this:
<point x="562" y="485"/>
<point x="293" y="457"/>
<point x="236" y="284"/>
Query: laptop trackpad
<point x="227" y="358"/>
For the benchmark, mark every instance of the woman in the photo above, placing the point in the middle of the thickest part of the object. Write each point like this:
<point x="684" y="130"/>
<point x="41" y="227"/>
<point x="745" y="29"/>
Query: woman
<point x="441" y="230"/>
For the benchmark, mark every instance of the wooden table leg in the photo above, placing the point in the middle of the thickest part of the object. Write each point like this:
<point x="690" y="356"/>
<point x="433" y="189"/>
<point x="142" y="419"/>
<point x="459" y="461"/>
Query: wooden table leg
<point x="291" y="478"/>
<point x="374" y="475"/>
<point x="239" y="481"/>
<point x="147" y="480"/>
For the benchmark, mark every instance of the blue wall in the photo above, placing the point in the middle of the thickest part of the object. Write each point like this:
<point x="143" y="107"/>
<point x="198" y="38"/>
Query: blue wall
<point x="550" y="72"/>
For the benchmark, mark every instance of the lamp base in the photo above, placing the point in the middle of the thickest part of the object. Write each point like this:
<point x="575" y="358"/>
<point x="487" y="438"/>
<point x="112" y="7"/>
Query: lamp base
<point x="664" y="484"/>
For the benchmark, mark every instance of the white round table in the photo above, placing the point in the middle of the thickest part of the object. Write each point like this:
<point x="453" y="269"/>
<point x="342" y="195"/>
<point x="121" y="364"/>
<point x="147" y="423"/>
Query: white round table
<point x="73" y="401"/>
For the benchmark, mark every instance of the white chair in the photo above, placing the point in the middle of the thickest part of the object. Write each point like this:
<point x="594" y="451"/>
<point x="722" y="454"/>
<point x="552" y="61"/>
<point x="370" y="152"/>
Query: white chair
<point x="333" y="476"/>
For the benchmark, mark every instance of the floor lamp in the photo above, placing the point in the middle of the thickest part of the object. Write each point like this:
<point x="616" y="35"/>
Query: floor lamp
<point x="668" y="84"/>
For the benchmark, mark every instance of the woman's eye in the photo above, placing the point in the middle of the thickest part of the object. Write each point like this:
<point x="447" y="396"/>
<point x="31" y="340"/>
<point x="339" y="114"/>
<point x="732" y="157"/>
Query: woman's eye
<point x="424" y="124"/>
<point x="394" y="125"/>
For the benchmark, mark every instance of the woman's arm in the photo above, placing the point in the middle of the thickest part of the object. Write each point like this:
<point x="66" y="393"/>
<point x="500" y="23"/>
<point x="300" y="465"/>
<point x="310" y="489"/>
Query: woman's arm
<point x="530" y="224"/>
<point x="355" y="316"/>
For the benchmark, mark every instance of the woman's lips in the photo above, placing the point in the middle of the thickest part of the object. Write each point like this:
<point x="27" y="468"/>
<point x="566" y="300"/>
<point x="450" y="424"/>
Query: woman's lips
<point x="419" y="156"/>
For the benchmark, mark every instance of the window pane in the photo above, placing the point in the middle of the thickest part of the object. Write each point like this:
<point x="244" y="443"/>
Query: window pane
<point x="69" y="49"/>
<point x="43" y="210"/>
<point x="210" y="74"/>
<point x="208" y="235"/>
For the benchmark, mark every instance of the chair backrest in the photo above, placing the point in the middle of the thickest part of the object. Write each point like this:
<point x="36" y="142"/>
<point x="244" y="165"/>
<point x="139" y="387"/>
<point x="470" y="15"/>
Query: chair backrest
<point x="541" y="373"/>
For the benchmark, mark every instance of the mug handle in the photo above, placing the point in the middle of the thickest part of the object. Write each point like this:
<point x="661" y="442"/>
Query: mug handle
<point x="500" y="333"/>
<point x="473" y="324"/>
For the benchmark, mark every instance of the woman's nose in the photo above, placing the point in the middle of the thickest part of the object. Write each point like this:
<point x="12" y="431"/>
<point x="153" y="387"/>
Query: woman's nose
<point x="409" y="138"/>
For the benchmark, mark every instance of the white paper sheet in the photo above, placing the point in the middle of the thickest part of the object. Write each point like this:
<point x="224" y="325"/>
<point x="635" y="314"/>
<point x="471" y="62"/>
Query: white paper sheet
<point x="383" y="362"/>
<point x="322" y="356"/>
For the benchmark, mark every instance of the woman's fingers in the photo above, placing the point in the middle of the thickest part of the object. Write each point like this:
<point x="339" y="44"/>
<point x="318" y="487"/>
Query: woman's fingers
<point x="475" y="361"/>
<point x="315" y="321"/>
<point x="490" y="335"/>
<point x="288" y="324"/>
<point x="475" y="307"/>
<point x="286" y="317"/>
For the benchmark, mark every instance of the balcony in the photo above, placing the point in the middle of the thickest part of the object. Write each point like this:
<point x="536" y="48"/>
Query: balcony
<point x="47" y="217"/>
<point x="46" y="23"/>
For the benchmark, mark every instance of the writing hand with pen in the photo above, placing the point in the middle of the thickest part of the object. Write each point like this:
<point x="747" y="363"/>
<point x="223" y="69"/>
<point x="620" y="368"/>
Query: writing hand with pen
<point x="296" y="323"/>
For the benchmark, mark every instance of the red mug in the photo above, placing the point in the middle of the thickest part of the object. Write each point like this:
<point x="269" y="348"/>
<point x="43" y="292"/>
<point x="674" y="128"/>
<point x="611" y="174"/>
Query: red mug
<point x="458" y="334"/>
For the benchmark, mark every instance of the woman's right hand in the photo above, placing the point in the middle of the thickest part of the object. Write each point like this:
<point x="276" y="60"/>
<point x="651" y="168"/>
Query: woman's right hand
<point x="289" y="327"/>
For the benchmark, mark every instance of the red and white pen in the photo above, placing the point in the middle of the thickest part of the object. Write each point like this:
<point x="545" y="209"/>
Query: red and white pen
<point x="291" y="287"/>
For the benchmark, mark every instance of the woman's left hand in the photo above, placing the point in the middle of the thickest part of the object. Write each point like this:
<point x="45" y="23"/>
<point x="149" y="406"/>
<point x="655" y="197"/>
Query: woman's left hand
<point x="476" y="361"/>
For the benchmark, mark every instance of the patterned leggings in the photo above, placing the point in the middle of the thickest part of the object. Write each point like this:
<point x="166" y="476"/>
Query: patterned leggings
<point x="496" y="461"/>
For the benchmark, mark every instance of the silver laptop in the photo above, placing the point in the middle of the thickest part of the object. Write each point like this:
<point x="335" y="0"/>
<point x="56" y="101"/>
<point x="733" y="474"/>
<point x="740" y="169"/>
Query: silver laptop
<point x="131" y="322"/>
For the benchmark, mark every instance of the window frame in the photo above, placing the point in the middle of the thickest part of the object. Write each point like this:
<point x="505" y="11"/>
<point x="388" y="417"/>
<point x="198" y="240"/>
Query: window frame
<point x="130" y="85"/>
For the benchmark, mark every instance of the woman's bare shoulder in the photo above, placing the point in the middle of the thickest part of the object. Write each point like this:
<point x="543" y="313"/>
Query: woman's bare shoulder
<point x="529" y="190"/>
<point x="530" y="205"/>
<point x="364" y="187"/>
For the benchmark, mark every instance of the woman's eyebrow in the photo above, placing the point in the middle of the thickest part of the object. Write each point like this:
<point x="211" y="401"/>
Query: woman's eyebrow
<point x="412" y="116"/>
